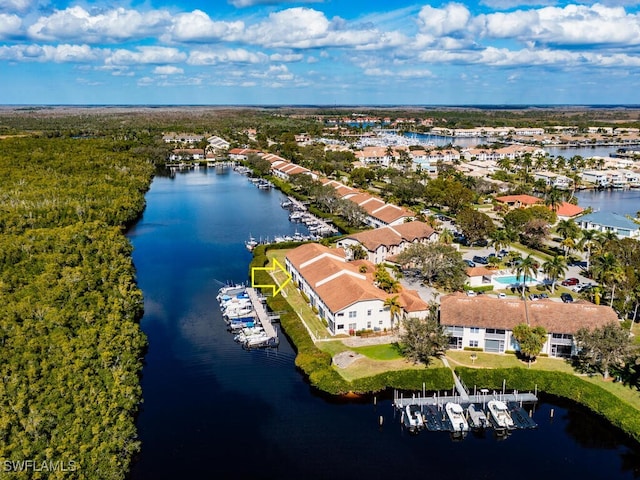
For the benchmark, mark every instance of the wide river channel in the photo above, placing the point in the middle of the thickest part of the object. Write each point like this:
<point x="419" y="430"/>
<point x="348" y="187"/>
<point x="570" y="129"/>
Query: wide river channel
<point x="214" y="410"/>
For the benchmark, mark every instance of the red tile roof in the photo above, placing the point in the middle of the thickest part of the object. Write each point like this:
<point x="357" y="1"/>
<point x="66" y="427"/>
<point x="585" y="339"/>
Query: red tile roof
<point x="521" y="199"/>
<point x="567" y="209"/>
<point x="490" y="312"/>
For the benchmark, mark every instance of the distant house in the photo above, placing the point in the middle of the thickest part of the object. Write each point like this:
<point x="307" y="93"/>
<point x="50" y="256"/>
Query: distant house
<point x="241" y="154"/>
<point x="375" y="156"/>
<point x="622" y="226"/>
<point x="519" y="201"/>
<point x="597" y="177"/>
<point x="344" y="292"/>
<point x="487" y="322"/>
<point x="552" y="179"/>
<point x="217" y="143"/>
<point x="182" y="138"/>
<point x="187" y="154"/>
<point x="384" y="242"/>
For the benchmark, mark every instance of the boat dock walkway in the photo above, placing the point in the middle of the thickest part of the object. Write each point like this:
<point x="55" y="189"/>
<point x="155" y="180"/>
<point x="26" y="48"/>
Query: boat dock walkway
<point x="482" y="398"/>
<point x="261" y="313"/>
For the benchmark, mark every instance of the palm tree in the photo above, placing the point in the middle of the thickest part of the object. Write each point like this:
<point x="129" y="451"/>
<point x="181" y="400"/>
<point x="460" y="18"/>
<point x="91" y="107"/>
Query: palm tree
<point x="395" y="309"/>
<point x="587" y="242"/>
<point x="528" y="267"/>
<point x="505" y="163"/>
<point x="446" y="236"/>
<point x="568" y="230"/>
<point x="607" y="270"/>
<point x="553" y="198"/>
<point x="554" y="269"/>
<point x="499" y="239"/>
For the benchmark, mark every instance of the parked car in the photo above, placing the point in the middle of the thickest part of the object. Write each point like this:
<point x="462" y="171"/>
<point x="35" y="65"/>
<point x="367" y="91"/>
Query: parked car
<point x="470" y="263"/>
<point x="566" y="298"/>
<point x="480" y="260"/>
<point x="480" y="243"/>
<point x="502" y="295"/>
<point x="471" y="293"/>
<point x="568" y="282"/>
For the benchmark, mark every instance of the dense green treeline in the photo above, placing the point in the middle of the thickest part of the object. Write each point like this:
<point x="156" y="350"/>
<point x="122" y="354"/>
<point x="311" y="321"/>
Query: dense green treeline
<point x="70" y="344"/>
<point x="60" y="181"/>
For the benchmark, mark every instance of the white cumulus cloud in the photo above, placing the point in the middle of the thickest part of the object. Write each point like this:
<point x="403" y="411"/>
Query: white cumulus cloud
<point x="16" y="5"/>
<point x="453" y="18"/>
<point x="49" y="53"/>
<point x="198" y="26"/>
<point x="10" y="25"/>
<point x="146" y="55"/>
<point x="222" y="56"/>
<point x="113" y="25"/>
<point x="569" y="25"/>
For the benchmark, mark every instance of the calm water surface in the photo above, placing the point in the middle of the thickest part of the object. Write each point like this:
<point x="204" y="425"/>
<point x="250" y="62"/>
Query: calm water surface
<point x="623" y="202"/>
<point x="213" y="410"/>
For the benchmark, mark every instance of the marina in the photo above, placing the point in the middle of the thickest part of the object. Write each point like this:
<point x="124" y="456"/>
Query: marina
<point x="317" y="227"/>
<point x="461" y="412"/>
<point x="244" y="311"/>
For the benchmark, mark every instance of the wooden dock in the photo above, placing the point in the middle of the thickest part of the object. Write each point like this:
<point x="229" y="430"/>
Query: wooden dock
<point x="261" y="313"/>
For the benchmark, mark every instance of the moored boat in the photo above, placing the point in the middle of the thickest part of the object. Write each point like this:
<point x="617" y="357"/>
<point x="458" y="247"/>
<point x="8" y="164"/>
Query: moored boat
<point x="412" y="418"/>
<point x="500" y="416"/>
<point x="477" y="418"/>
<point x="456" y="416"/>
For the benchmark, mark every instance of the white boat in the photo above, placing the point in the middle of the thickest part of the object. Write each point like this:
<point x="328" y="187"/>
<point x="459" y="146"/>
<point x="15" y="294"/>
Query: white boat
<point x="230" y="290"/>
<point x="235" y="307"/>
<point x="247" y="333"/>
<point x="251" y="243"/>
<point x="238" y="313"/>
<point x="413" y="418"/>
<point x="477" y="418"/>
<point x="500" y="415"/>
<point x="455" y="412"/>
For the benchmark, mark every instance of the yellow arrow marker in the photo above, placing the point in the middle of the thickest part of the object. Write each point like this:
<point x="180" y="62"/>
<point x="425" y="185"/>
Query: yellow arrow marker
<point x="276" y="288"/>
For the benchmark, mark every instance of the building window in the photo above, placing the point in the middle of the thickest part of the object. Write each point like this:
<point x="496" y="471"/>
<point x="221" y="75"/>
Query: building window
<point x="368" y="313"/>
<point x="339" y="327"/>
<point x="369" y="325"/>
<point x="341" y="314"/>
<point x="475" y="330"/>
<point x="352" y="314"/>
<point x="353" y="326"/>
<point x="473" y="343"/>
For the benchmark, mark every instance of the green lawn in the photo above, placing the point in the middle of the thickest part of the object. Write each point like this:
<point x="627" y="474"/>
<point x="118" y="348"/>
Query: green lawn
<point x="388" y="351"/>
<point x="624" y="393"/>
<point x="494" y="360"/>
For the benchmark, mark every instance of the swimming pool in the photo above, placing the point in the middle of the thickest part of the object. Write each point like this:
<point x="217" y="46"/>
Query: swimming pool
<point x="513" y="279"/>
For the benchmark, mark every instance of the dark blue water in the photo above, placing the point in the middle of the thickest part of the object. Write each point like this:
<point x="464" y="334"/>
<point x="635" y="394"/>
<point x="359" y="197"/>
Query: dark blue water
<point x="213" y="410"/>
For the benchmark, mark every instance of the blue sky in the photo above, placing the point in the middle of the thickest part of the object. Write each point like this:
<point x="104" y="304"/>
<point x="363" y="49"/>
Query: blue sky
<point x="319" y="52"/>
